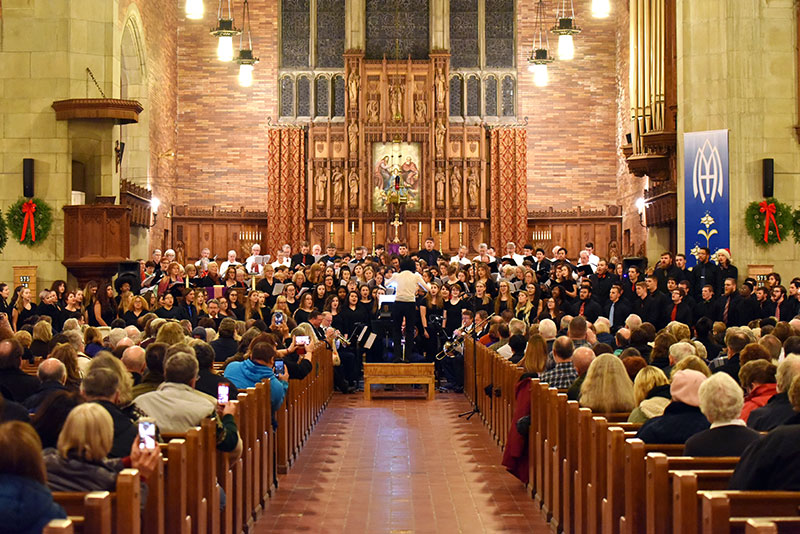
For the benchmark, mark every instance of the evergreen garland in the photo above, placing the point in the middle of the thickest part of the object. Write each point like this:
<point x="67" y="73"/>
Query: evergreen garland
<point x="43" y="221"/>
<point x="754" y="221"/>
<point x="3" y="232"/>
<point x="796" y="225"/>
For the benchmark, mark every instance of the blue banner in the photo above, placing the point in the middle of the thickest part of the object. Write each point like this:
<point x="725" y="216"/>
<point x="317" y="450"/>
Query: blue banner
<point x="706" y="192"/>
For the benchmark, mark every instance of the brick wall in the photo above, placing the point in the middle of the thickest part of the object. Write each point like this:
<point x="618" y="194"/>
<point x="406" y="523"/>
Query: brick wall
<point x="572" y="149"/>
<point x="160" y="35"/>
<point x="222" y="128"/>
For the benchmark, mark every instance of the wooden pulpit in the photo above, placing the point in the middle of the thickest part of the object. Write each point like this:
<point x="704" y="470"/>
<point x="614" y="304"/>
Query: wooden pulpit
<point x="97" y="237"/>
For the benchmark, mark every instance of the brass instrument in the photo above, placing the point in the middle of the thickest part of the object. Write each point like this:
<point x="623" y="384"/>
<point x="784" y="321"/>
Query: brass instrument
<point x="343" y="341"/>
<point x="451" y="347"/>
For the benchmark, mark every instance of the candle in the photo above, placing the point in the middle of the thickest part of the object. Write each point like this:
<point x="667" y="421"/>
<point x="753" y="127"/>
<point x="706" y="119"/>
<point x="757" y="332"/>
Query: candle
<point x="420" y="227"/>
<point x="460" y="227"/>
<point x="352" y="226"/>
<point x="331" y="226"/>
<point x="440" y="227"/>
<point x="373" y="227"/>
<point x="253" y="282"/>
<point x="187" y="282"/>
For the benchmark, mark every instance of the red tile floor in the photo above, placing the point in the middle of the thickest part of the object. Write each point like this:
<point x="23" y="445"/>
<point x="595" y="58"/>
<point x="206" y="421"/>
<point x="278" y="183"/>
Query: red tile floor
<point x="399" y="465"/>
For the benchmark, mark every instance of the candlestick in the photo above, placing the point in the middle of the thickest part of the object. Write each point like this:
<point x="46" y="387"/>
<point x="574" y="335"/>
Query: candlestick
<point x="460" y="227"/>
<point x="352" y="226"/>
<point x="440" y="227"/>
<point x="187" y="282"/>
<point x="419" y="227"/>
<point x="253" y="282"/>
<point x="373" y="227"/>
<point x="441" y="248"/>
<point x="352" y="239"/>
<point x="373" y="238"/>
<point x="331" y="226"/>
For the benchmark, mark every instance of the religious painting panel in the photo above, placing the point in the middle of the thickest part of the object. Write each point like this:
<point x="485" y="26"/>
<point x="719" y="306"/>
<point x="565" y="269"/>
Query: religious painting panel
<point x="396" y="175"/>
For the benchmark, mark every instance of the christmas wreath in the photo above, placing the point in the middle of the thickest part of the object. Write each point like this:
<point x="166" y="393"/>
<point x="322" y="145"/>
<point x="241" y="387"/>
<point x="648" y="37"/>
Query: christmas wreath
<point x="30" y="220"/>
<point x="768" y="221"/>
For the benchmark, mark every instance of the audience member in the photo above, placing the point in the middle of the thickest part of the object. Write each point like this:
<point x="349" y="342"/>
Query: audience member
<point x="563" y="374"/>
<point x="582" y="358"/>
<point x="721" y="403"/>
<point x="650" y="394"/>
<point x="607" y="387"/>
<point x="682" y="417"/>
<point x="15" y="384"/>
<point x="52" y="376"/>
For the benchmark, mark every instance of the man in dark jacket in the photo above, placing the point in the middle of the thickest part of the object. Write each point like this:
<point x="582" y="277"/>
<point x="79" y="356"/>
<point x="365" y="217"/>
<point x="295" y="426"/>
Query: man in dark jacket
<point x="749" y="308"/>
<point x="659" y="304"/>
<point x="729" y="306"/>
<point x="225" y="345"/>
<point x="665" y="269"/>
<point x="705" y="273"/>
<point x="13" y="379"/>
<point x="772" y="463"/>
<point x="602" y="280"/>
<point x="429" y="254"/>
<point x="707" y="307"/>
<point x="586" y="306"/>
<point x="207" y="380"/>
<point x="734" y="344"/>
<point x="52" y="374"/>
<point x="616" y="310"/>
<point x="680" y="311"/>
<point x="102" y="386"/>
<point x="778" y="409"/>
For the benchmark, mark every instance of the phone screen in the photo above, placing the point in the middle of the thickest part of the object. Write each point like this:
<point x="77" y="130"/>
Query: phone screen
<point x="279" y="367"/>
<point x="147" y="435"/>
<point x="222" y="393"/>
<point x="278" y="317"/>
<point x="302" y="340"/>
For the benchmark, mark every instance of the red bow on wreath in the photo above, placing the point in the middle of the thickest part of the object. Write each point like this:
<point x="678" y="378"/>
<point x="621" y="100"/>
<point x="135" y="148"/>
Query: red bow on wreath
<point x="769" y="211"/>
<point x="28" y="209"/>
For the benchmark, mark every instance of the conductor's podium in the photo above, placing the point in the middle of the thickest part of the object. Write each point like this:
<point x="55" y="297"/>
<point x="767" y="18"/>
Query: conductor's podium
<point x="398" y="373"/>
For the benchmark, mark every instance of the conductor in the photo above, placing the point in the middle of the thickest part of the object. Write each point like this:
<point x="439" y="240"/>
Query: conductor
<point x="406" y="281"/>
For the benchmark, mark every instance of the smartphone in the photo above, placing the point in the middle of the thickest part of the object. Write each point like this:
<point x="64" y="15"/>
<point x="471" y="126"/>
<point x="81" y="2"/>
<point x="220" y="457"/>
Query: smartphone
<point x="279" y="367"/>
<point x="278" y="317"/>
<point x="222" y="393"/>
<point x="302" y="340"/>
<point x="147" y="434"/>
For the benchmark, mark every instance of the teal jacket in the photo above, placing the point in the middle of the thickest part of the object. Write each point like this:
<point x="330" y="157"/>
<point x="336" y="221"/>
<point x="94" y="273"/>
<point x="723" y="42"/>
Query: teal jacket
<point x="247" y="373"/>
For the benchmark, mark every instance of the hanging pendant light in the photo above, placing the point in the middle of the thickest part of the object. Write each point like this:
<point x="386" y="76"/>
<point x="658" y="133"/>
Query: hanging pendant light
<point x="565" y="28"/>
<point x="601" y="8"/>
<point x="245" y="59"/>
<point x="194" y="9"/>
<point x="225" y="31"/>
<point x="540" y="51"/>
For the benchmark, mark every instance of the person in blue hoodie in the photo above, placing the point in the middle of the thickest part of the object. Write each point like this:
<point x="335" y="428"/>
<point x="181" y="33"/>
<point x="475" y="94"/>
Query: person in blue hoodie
<point x="26" y="504"/>
<point x="258" y="366"/>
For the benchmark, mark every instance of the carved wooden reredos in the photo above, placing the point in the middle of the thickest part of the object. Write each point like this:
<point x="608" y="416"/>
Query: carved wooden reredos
<point x="389" y="101"/>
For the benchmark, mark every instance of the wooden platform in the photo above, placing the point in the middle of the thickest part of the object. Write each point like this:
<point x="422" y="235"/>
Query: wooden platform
<point x="398" y="373"/>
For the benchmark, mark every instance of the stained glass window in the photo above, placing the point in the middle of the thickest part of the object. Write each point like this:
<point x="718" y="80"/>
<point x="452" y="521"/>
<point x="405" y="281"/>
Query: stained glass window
<point x="295" y="31"/>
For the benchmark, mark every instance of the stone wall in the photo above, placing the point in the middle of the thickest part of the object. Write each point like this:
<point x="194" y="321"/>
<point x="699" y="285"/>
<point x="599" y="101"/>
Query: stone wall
<point x="737" y="70"/>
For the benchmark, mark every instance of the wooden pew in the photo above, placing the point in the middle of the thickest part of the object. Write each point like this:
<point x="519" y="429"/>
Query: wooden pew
<point x="659" y="493"/>
<point x="123" y="506"/>
<point x="772" y="526"/>
<point x="176" y="517"/>
<point x="728" y="511"/>
<point x="686" y="513"/>
<point x="633" y="522"/>
<point x="59" y="526"/>
<point x="153" y="519"/>
<point x="88" y="513"/>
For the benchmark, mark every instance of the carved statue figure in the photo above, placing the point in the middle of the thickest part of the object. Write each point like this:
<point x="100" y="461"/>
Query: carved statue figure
<point x="455" y="188"/>
<point x="439" y="180"/>
<point x="352" y="180"/>
<point x="441" y="130"/>
<point x="473" y="187"/>
<point x="352" y="87"/>
<point x="352" y="135"/>
<point x="338" y="186"/>
<point x="396" y="100"/>
<point x="373" y="109"/>
<point x="320" y="186"/>
<point x="441" y="87"/>
<point x="420" y="109"/>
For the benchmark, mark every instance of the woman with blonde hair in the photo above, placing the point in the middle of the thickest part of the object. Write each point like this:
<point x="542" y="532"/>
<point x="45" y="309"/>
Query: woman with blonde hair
<point x="200" y="298"/>
<point x="66" y="354"/>
<point x="282" y="305"/>
<point x="650" y="393"/>
<point x="504" y="299"/>
<point x="524" y="308"/>
<point x="27" y="502"/>
<point x="607" y="387"/>
<point x="171" y="333"/>
<point x="23" y="309"/>
<point x="138" y="307"/>
<point x="80" y="462"/>
<point x="535" y="359"/>
<point x="691" y="362"/>
<point x="42" y="334"/>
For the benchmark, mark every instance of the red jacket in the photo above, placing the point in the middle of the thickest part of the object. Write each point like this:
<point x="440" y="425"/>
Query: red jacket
<point x="757" y="398"/>
<point x="515" y="455"/>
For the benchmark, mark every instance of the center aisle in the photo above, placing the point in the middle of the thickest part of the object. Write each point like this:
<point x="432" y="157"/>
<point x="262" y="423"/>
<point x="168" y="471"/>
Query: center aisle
<point x="399" y="466"/>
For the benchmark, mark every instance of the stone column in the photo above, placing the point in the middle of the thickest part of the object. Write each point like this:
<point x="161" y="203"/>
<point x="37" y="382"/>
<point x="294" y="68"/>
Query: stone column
<point x="355" y="27"/>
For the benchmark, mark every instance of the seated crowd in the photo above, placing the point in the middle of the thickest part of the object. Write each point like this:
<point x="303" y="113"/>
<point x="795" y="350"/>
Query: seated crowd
<point x="110" y="355"/>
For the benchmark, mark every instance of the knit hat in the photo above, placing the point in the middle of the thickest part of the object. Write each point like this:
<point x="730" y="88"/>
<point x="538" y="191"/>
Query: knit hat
<point x="685" y="386"/>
